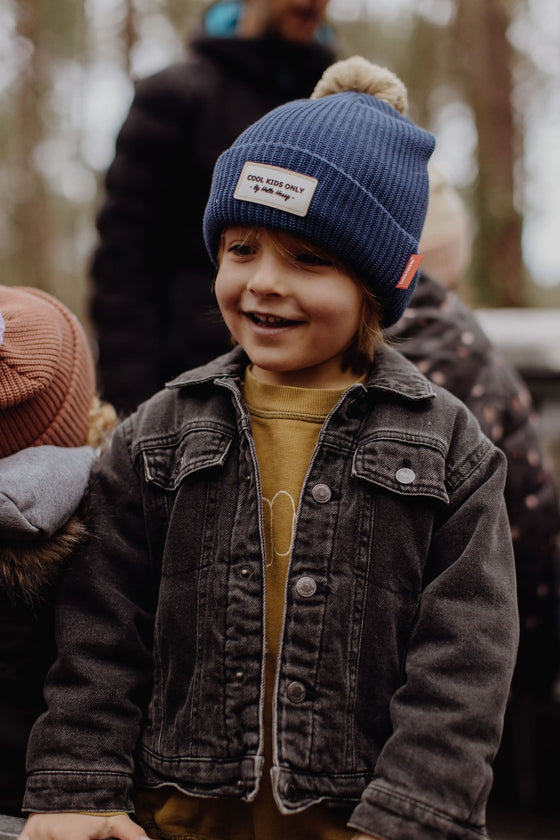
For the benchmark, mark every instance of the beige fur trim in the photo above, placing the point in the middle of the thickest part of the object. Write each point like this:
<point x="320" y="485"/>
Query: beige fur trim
<point x="102" y="421"/>
<point x="27" y="568"/>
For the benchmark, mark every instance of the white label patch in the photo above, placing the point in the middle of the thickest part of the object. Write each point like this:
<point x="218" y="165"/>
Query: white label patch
<point x="275" y="187"/>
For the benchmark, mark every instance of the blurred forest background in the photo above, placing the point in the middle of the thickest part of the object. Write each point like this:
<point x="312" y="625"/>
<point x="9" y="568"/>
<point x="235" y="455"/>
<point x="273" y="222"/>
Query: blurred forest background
<point x="483" y="75"/>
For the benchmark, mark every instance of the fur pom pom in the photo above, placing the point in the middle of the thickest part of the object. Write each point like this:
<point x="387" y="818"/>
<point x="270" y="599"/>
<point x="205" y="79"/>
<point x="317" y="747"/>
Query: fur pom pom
<point x="359" y="75"/>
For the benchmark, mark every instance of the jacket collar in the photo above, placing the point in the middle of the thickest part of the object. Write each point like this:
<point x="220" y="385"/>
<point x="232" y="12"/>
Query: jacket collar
<point x="282" y="69"/>
<point x="394" y="374"/>
<point x="390" y="373"/>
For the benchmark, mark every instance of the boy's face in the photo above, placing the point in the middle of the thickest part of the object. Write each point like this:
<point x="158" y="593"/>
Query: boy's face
<point x="293" y="312"/>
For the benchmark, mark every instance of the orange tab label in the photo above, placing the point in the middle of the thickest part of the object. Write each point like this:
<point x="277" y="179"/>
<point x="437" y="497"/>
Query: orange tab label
<point x="412" y="267"/>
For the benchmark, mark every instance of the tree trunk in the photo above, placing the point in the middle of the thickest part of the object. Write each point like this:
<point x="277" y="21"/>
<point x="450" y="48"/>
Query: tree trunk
<point x="484" y="61"/>
<point x="129" y="34"/>
<point x="30" y="217"/>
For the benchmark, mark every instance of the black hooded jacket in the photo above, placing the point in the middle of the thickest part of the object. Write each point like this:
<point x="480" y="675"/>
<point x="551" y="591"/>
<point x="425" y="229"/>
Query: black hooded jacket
<point x="152" y="302"/>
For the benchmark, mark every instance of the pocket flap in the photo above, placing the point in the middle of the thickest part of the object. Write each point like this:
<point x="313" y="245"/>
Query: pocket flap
<point x="410" y="466"/>
<point x="168" y="465"/>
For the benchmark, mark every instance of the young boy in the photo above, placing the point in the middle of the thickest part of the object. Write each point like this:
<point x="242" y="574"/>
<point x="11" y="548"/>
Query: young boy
<point x="296" y="617"/>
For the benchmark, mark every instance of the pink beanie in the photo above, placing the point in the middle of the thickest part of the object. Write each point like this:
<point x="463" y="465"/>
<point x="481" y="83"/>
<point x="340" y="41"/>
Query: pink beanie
<point x="47" y="378"/>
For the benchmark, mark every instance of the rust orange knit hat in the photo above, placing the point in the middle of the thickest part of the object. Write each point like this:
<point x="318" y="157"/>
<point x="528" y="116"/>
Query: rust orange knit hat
<point x="47" y="378"/>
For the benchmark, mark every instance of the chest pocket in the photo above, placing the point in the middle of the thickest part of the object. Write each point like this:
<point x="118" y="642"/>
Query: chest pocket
<point x="407" y="465"/>
<point x="168" y="465"/>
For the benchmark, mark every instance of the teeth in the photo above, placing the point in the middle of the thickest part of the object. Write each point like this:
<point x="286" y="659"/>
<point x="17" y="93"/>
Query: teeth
<point x="268" y="319"/>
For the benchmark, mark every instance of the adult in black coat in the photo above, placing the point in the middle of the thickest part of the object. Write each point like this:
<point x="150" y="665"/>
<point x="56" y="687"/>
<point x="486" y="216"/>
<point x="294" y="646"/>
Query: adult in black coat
<point x="152" y="304"/>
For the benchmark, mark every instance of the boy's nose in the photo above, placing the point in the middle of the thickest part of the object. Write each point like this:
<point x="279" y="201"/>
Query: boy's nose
<point x="266" y="279"/>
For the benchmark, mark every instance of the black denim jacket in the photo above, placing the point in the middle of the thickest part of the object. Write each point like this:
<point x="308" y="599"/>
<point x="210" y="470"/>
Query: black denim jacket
<point x="400" y="627"/>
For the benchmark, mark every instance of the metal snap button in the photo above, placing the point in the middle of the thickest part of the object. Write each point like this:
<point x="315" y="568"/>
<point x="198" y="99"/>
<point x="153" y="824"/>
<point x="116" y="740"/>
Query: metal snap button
<point x="239" y="676"/>
<point x="296" y="692"/>
<point x="289" y="791"/>
<point x="405" y="475"/>
<point x="306" y="586"/>
<point x="321" y="493"/>
<point x="354" y="409"/>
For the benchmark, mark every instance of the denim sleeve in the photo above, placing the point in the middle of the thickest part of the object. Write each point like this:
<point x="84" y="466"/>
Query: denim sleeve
<point x="78" y="760"/>
<point x="434" y="773"/>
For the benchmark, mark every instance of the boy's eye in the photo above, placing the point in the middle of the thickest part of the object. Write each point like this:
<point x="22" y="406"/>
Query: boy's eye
<point x="240" y="249"/>
<point x="308" y="258"/>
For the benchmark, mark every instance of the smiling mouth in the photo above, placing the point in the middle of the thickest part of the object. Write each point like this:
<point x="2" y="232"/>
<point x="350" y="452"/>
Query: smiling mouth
<point x="270" y="320"/>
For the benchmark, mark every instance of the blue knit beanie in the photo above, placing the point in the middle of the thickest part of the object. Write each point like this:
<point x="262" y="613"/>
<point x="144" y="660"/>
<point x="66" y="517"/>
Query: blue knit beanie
<point x="347" y="171"/>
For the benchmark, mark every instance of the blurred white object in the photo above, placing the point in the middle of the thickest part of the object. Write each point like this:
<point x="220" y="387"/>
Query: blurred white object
<point x="528" y="338"/>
